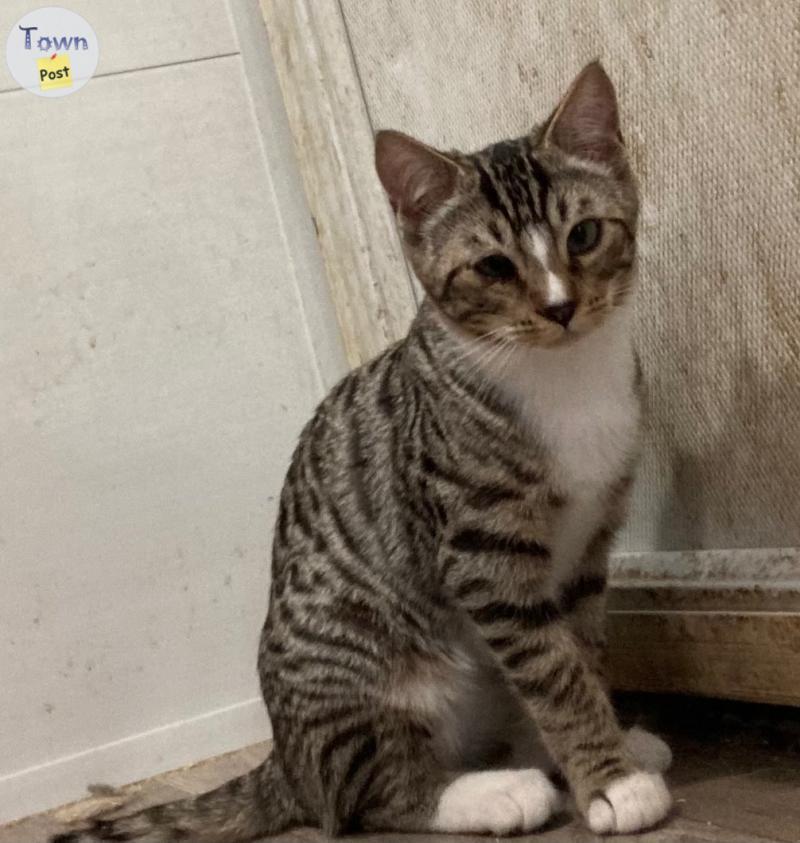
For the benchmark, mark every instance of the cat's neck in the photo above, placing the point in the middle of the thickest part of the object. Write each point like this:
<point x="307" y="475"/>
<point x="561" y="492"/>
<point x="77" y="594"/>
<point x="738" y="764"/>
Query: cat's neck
<point x="579" y="400"/>
<point x="600" y="362"/>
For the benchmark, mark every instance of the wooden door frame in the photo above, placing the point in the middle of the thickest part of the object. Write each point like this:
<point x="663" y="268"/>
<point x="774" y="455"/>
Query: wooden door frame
<point x="718" y="622"/>
<point x="371" y="286"/>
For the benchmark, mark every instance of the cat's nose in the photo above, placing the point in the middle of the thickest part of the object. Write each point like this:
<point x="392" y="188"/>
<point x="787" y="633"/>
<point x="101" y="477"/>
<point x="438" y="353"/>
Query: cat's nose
<point x="560" y="313"/>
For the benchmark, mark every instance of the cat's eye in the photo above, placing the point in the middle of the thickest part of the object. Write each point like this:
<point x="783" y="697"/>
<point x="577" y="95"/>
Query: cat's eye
<point x="497" y="266"/>
<point x="583" y="237"/>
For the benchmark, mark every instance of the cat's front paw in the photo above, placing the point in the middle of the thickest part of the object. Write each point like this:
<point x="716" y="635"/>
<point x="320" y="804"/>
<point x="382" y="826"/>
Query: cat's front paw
<point x="632" y="803"/>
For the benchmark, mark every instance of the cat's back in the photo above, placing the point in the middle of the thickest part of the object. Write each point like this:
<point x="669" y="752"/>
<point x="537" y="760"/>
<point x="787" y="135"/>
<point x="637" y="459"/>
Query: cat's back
<point x="356" y="422"/>
<point x="342" y="496"/>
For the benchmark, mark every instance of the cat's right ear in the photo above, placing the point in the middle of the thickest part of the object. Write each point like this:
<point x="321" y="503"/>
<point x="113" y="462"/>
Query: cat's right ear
<point x="416" y="177"/>
<point x="586" y="122"/>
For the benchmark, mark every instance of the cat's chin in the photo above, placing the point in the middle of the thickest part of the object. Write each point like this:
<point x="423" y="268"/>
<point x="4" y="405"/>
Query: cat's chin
<point x="562" y="339"/>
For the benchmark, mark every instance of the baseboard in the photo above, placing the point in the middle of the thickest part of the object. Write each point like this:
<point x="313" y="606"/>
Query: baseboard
<point x="719" y="623"/>
<point x="130" y="759"/>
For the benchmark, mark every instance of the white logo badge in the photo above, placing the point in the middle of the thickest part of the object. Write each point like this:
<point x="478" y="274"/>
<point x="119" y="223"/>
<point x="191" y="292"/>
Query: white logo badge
<point x="52" y="52"/>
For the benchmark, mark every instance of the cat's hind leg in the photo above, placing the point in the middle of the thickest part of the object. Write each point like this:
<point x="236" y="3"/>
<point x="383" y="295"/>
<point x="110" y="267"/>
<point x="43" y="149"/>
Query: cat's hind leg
<point x="468" y="759"/>
<point x="412" y="793"/>
<point x="649" y="751"/>
<point x="376" y="770"/>
<point x="435" y="747"/>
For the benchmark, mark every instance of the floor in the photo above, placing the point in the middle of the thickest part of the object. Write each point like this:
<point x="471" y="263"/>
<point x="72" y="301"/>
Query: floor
<point x="736" y="779"/>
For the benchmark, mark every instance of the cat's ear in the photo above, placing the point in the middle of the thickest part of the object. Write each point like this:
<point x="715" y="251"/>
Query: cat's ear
<point x="586" y="122"/>
<point x="417" y="178"/>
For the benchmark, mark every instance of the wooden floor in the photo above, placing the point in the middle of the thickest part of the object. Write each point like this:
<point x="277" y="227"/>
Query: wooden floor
<point x="736" y="779"/>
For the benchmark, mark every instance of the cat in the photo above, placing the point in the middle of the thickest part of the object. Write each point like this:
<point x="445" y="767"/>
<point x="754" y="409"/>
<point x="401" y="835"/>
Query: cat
<point x="432" y="658"/>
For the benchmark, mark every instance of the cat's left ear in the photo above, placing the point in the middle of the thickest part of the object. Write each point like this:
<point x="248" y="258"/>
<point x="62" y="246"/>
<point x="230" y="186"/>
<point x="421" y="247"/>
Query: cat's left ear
<point x="586" y="122"/>
<point x="417" y="177"/>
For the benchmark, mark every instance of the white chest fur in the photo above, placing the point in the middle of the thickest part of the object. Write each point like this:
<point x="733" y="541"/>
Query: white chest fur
<point x="580" y="403"/>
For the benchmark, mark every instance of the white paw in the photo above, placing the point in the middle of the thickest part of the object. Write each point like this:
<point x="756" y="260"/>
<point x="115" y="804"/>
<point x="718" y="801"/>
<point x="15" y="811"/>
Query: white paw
<point x="496" y="802"/>
<point x="630" y="804"/>
<point x="647" y="750"/>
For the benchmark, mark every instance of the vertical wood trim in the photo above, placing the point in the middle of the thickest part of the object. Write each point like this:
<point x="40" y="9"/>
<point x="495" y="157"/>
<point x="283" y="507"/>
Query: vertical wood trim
<point x="304" y="266"/>
<point x="370" y="283"/>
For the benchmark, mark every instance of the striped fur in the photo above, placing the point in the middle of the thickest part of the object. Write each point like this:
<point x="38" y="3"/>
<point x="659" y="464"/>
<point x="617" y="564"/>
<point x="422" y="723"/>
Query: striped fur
<point x="439" y="558"/>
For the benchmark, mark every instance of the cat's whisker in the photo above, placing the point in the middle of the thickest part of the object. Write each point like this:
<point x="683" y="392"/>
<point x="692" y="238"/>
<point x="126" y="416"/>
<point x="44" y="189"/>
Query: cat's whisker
<point x="490" y="368"/>
<point x="490" y="354"/>
<point x="473" y="349"/>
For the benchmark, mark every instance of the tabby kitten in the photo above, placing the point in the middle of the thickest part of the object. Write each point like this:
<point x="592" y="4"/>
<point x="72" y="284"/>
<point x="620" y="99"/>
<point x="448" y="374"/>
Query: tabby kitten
<point x="432" y="657"/>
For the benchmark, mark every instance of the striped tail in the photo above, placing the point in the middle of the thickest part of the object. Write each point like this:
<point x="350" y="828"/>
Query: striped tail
<point x="256" y="804"/>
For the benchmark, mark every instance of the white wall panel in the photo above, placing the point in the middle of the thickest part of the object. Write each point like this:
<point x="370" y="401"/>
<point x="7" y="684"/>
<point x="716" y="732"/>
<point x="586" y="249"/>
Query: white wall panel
<point x="156" y="365"/>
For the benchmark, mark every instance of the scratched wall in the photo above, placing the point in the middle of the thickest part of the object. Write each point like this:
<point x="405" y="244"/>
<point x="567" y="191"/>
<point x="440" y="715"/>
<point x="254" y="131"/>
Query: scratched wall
<point x="710" y="93"/>
<point x="164" y="333"/>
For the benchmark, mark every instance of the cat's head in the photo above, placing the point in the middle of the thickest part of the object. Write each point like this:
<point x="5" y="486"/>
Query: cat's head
<point x="531" y="239"/>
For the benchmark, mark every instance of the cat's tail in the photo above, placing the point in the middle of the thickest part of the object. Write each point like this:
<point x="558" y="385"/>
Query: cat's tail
<point x="256" y="804"/>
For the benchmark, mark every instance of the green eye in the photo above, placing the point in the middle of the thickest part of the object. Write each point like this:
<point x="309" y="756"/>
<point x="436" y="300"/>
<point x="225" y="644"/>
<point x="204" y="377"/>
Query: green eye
<point x="496" y="266"/>
<point x="583" y="237"/>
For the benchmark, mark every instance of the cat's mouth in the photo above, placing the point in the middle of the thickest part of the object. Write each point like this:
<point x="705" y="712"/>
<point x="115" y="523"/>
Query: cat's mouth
<point x="545" y="334"/>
